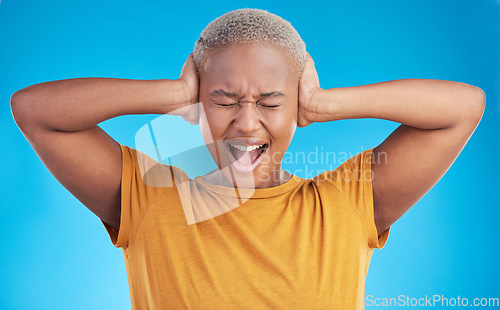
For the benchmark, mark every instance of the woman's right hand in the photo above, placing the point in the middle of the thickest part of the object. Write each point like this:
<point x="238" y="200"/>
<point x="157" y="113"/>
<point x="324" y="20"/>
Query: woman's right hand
<point x="190" y="83"/>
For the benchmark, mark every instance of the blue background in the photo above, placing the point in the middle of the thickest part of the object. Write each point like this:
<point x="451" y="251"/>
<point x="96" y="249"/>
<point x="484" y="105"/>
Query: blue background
<point x="57" y="255"/>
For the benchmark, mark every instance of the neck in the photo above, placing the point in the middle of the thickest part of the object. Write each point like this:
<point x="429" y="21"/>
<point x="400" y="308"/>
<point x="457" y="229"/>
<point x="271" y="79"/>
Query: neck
<point x="218" y="177"/>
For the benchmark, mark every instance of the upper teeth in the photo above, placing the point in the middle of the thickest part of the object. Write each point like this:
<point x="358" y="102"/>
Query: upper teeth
<point x="246" y="148"/>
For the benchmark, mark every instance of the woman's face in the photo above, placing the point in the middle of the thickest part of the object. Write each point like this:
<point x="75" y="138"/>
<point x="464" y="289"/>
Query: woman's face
<point x="249" y="94"/>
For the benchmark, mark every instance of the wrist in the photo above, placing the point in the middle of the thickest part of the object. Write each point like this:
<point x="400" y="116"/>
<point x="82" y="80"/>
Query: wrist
<point x="327" y="105"/>
<point x="317" y="107"/>
<point x="185" y="94"/>
<point x="173" y="95"/>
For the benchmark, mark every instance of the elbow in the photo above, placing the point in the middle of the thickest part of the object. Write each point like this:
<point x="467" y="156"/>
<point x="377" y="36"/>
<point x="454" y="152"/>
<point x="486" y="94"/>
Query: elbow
<point x="476" y="104"/>
<point x="19" y="106"/>
<point x="15" y="102"/>
<point x="480" y="104"/>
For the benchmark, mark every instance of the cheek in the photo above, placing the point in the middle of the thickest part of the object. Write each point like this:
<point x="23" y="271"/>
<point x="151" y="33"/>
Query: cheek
<point x="212" y="125"/>
<point x="286" y="121"/>
<point x="210" y="136"/>
<point x="282" y="127"/>
<point x="205" y="131"/>
<point x="204" y="122"/>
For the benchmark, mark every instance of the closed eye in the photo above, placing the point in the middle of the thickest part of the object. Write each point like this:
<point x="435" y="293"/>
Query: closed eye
<point x="270" y="103"/>
<point x="224" y="104"/>
<point x="270" y="106"/>
<point x="262" y="104"/>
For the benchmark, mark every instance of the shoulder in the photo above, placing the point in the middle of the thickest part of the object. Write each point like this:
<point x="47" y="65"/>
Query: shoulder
<point x="355" y="170"/>
<point x="151" y="172"/>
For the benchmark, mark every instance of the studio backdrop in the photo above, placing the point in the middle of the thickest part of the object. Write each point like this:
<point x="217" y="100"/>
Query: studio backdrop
<point x="56" y="253"/>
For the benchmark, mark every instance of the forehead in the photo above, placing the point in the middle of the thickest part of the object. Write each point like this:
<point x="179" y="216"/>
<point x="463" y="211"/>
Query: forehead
<point x="251" y="64"/>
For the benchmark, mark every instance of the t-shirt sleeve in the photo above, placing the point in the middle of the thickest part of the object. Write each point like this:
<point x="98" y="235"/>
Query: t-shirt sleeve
<point x="143" y="179"/>
<point x="354" y="179"/>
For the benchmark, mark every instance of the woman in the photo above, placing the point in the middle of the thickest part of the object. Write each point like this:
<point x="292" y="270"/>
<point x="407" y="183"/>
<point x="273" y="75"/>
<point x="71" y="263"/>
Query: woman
<point x="248" y="235"/>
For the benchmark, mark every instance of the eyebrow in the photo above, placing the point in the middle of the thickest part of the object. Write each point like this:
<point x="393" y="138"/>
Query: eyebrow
<point x="235" y="95"/>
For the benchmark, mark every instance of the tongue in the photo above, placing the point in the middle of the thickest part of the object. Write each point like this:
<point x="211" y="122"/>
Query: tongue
<point x="246" y="158"/>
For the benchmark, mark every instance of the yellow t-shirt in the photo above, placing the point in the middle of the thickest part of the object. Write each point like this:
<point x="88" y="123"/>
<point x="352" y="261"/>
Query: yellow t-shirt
<point x="305" y="244"/>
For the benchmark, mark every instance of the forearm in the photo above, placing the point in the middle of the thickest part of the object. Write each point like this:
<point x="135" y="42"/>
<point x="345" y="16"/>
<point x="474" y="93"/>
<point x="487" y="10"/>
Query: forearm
<point x="419" y="103"/>
<point x="78" y="104"/>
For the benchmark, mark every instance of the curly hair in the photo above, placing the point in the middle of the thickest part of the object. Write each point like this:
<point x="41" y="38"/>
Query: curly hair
<point x="250" y="25"/>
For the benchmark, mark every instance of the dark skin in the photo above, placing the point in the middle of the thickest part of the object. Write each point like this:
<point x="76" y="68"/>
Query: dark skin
<point x="258" y="100"/>
<point x="437" y="119"/>
<point x="59" y="119"/>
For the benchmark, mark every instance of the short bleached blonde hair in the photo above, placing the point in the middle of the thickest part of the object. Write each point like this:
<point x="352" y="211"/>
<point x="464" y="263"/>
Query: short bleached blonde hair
<point x="250" y="25"/>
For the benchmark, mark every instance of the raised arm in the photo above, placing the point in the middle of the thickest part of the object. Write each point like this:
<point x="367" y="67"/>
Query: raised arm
<point x="438" y="118"/>
<point x="59" y="119"/>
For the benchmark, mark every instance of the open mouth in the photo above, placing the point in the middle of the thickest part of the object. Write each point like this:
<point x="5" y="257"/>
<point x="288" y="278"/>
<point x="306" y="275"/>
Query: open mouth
<point x="246" y="158"/>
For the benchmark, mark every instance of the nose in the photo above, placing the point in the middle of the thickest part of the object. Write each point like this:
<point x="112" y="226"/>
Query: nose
<point x="247" y="118"/>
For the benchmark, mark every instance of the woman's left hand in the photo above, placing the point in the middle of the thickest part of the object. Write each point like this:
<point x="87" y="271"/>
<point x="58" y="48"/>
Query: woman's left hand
<point x="308" y="88"/>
